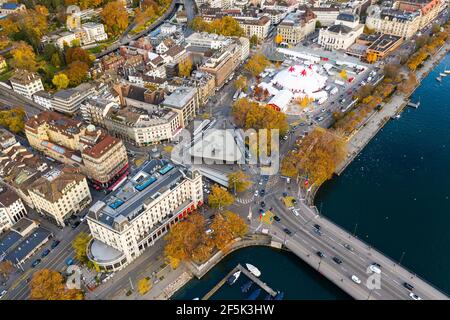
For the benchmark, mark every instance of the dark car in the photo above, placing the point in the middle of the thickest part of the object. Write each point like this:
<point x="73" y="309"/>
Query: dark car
<point x="294" y="201"/>
<point x="276" y="218"/>
<point x="262" y="192"/>
<point x="320" y="254"/>
<point x="75" y="224"/>
<point x="337" y="260"/>
<point x="55" y="244"/>
<point x="287" y="231"/>
<point x="263" y="204"/>
<point x="261" y="211"/>
<point x="284" y="194"/>
<point x="45" y="253"/>
<point x="35" y="263"/>
<point x="317" y="226"/>
<point x="408" y="286"/>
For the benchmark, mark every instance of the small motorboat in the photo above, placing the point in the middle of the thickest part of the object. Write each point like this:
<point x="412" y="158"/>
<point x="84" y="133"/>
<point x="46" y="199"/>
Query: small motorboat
<point x="196" y="298"/>
<point x="254" y="294"/>
<point x="232" y="279"/>
<point x="246" y="286"/>
<point x="397" y="116"/>
<point x="447" y="71"/>
<point x="254" y="270"/>
<point x="439" y="79"/>
<point x="442" y="74"/>
<point x="279" y="296"/>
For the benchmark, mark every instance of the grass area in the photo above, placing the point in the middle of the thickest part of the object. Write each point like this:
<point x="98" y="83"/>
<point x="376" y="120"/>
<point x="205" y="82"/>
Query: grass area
<point x="289" y="201"/>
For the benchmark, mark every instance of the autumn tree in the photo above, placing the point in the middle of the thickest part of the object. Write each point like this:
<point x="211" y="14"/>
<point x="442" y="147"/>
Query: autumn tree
<point x="77" y="72"/>
<point x="23" y="57"/>
<point x="256" y="64"/>
<point x="61" y="81"/>
<point x="84" y="4"/>
<point x="254" y="40"/>
<point x="391" y="70"/>
<point x="185" y="68"/>
<point x="143" y="286"/>
<point x="364" y="91"/>
<point x="371" y="57"/>
<point x="227" y="226"/>
<point x="226" y="26"/>
<point x="317" y="157"/>
<point x="13" y="119"/>
<point x="79" y="245"/>
<point x="278" y="39"/>
<point x="239" y="181"/>
<point x="219" y="197"/>
<point x="79" y="54"/>
<point x="408" y="84"/>
<point x="115" y="17"/>
<point x="6" y="268"/>
<point x="241" y="83"/>
<point x="50" y="285"/>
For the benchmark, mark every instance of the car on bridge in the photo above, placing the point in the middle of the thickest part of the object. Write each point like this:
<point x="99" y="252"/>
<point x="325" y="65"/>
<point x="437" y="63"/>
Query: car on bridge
<point x="414" y="296"/>
<point x="337" y="260"/>
<point x="320" y="254"/>
<point x="408" y="286"/>
<point x="375" y="268"/>
<point x="287" y="231"/>
<point x="355" y="279"/>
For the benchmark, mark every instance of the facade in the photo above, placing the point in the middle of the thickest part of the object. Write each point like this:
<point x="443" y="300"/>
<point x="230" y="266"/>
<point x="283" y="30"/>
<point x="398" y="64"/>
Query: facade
<point x="326" y="15"/>
<point x="258" y="26"/>
<point x="99" y="156"/>
<point x="7" y="139"/>
<point x="383" y="45"/>
<point x="185" y="102"/>
<point x="139" y="126"/>
<point x="296" y="26"/>
<point x="135" y="216"/>
<point x="87" y="33"/>
<point x="342" y="34"/>
<point x="12" y="208"/>
<point x="205" y="84"/>
<point x="26" y="83"/>
<point x="60" y="193"/>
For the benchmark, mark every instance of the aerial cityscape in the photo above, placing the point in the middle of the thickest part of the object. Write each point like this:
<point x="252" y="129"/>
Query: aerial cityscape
<point x="224" y="150"/>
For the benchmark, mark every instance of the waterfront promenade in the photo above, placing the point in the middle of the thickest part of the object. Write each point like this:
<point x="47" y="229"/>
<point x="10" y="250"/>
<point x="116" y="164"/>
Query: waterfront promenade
<point x="377" y="120"/>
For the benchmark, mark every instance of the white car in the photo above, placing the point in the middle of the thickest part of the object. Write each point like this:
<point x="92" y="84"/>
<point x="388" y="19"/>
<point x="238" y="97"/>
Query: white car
<point x="414" y="296"/>
<point x="256" y="193"/>
<point x="355" y="279"/>
<point x="295" y="212"/>
<point x="2" y="294"/>
<point x="375" y="269"/>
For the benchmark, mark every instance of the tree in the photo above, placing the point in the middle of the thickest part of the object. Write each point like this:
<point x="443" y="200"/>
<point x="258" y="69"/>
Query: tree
<point x="239" y="181"/>
<point x="79" y="245"/>
<point x="23" y="57"/>
<point x="278" y="39"/>
<point x="79" y="54"/>
<point x="368" y="30"/>
<point x="371" y="57"/>
<point x="50" y="285"/>
<point x="185" y="68"/>
<point x="77" y="72"/>
<point x="84" y="4"/>
<point x="6" y="267"/>
<point x="115" y="17"/>
<point x="219" y="197"/>
<point x="317" y="157"/>
<point x="226" y="26"/>
<point x="227" y="227"/>
<point x="256" y="64"/>
<point x="241" y="83"/>
<point x="143" y="286"/>
<point x="61" y="81"/>
<point x="318" y="24"/>
<point x="254" y="40"/>
<point x="13" y="119"/>
<point x="391" y="70"/>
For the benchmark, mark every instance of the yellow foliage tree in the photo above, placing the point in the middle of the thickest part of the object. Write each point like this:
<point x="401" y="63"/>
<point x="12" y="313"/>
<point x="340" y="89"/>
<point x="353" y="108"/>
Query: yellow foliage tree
<point x="185" y="68"/>
<point x="143" y="286"/>
<point x="115" y="17"/>
<point x="219" y="197"/>
<point x="240" y="83"/>
<point x="239" y="181"/>
<point x="61" y="81"/>
<point x="372" y="57"/>
<point x="343" y="74"/>
<point x="278" y="39"/>
<point x="23" y="57"/>
<point x="50" y="285"/>
<point x="256" y="64"/>
<point x="79" y="245"/>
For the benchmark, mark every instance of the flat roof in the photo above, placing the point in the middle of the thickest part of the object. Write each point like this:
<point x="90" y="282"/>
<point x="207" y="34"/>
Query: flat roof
<point x="217" y="145"/>
<point x="9" y="240"/>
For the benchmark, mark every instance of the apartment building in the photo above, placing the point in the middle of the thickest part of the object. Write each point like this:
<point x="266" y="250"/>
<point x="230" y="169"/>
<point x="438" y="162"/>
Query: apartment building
<point x="205" y="84"/>
<point x="258" y="26"/>
<point x="26" y="83"/>
<point x="12" y="208"/>
<point x="99" y="156"/>
<point x="141" y="211"/>
<point x="185" y="102"/>
<point x="326" y="15"/>
<point x="60" y="193"/>
<point x="297" y="25"/>
<point x="139" y="126"/>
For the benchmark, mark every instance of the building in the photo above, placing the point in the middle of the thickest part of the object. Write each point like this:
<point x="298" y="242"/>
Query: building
<point x="7" y="139"/>
<point x="26" y="83"/>
<point x="207" y="40"/>
<point x="99" y="156"/>
<point x="205" y="84"/>
<point x="12" y="208"/>
<point x="326" y="15"/>
<point x="139" y="213"/>
<point x="342" y="34"/>
<point x="60" y="193"/>
<point x="429" y="9"/>
<point x="222" y="63"/>
<point x="185" y="102"/>
<point x="296" y="26"/>
<point x="68" y="101"/>
<point x="95" y="32"/>
<point x="87" y="33"/>
<point x="392" y="21"/>
<point x="258" y="26"/>
<point x="139" y="126"/>
<point x="383" y="45"/>
<point x="11" y="7"/>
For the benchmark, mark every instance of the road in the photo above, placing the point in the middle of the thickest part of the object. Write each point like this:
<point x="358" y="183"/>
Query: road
<point x="13" y="99"/>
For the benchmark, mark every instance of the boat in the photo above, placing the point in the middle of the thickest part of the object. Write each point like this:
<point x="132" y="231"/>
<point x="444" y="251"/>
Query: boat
<point x="268" y="297"/>
<point x="442" y="74"/>
<point x="232" y="279"/>
<point x="439" y="79"/>
<point x="279" y="296"/>
<point x="254" y="294"/>
<point x="246" y="286"/>
<point x="397" y="116"/>
<point x="254" y="270"/>
<point x="197" y="298"/>
<point x="447" y="71"/>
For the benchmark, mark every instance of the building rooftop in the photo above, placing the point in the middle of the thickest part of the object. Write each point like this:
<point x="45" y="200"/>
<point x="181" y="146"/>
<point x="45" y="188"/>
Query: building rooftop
<point x="180" y="97"/>
<point x="7" y="197"/>
<point x="8" y="240"/>
<point x="28" y="244"/>
<point x="339" y="28"/>
<point x="24" y="77"/>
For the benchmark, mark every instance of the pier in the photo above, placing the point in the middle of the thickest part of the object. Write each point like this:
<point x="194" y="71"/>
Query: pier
<point x="412" y="104"/>
<point x="247" y="273"/>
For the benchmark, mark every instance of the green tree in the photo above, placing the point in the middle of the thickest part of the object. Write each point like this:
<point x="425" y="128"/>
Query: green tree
<point x="79" y="245"/>
<point x="254" y="40"/>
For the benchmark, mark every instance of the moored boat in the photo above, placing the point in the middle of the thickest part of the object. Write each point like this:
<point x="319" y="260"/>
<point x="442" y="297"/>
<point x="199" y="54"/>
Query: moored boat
<point x="232" y="279"/>
<point x="254" y="270"/>
<point x="246" y="286"/>
<point x="439" y="79"/>
<point x="442" y="74"/>
<point x="447" y="71"/>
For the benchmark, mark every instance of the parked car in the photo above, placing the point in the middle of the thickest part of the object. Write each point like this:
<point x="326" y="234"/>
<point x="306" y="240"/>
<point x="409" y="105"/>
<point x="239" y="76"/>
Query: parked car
<point x="45" y="253"/>
<point x="262" y="192"/>
<point x="35" y="263"/>
<point x="55" y="244"/>
<point x="263" y="204"/>
<point x="69" y="261"/>
<point x="75" y="224"/>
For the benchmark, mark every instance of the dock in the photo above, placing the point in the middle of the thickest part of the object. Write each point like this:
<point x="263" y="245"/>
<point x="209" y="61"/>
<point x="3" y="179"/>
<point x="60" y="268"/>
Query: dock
<point x="412" y="104"/>
<point x="247" y="273"/>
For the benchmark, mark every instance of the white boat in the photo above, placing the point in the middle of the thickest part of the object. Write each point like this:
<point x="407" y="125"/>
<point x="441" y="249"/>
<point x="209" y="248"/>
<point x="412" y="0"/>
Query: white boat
<point x="439" y="79"/>
<point x="197" y="298"/>
<point x="232" y="279"/>
<point x="447" y="71"/>
<point x="254" y="270"/>
<point x="442" y="74"/>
